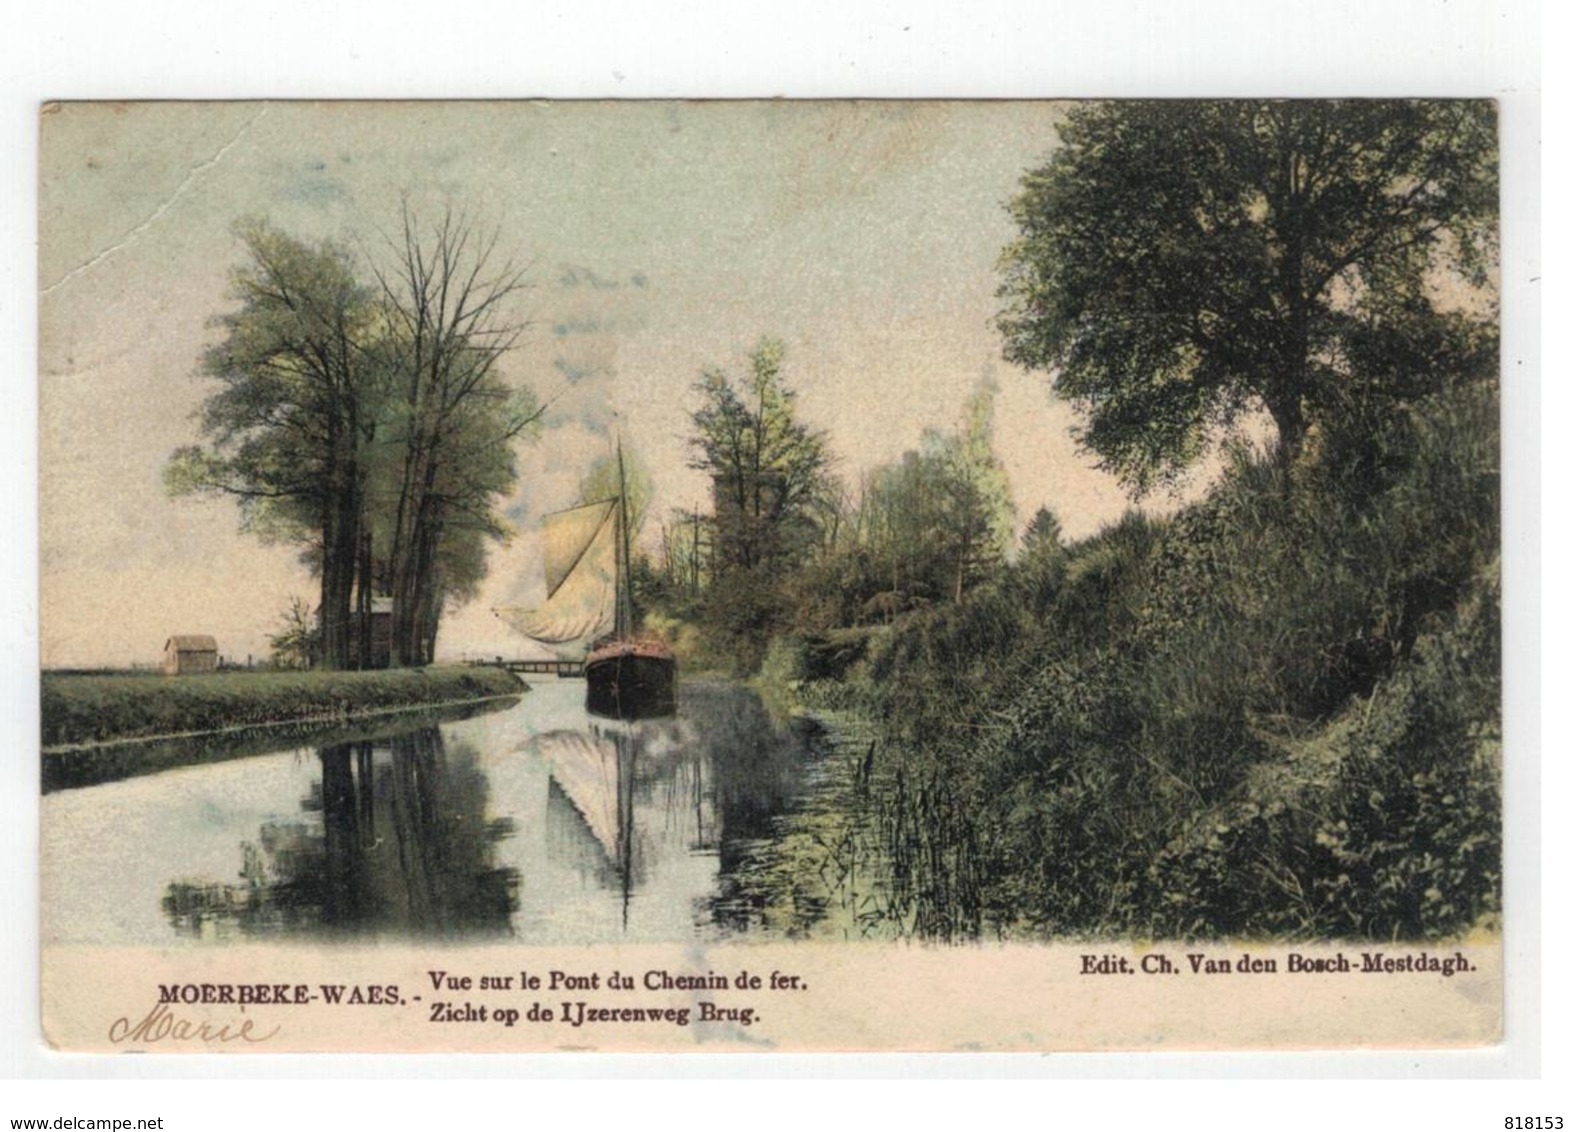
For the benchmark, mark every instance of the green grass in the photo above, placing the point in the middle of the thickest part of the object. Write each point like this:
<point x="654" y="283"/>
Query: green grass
<point x="1274" y="715"/>
<point x="66" y="768"/>
<point x="81" y="708"/>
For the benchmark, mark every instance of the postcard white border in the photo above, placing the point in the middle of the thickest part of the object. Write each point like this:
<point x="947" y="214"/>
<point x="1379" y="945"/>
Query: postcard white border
<point x="820" y="49"/>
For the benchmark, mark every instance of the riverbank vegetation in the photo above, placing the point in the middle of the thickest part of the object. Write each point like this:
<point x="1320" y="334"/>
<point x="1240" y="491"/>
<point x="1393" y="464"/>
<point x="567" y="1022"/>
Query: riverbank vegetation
<point x="1274" y="712"/>
<point x="83" y="708"/>
<point x="68" y="768"/>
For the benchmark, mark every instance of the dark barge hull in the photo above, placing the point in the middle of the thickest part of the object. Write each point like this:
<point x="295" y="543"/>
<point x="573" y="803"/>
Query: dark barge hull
<point x="631" y="681"/>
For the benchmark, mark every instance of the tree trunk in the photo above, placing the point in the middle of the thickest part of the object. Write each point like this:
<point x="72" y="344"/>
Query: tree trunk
<point x="1289" y="418"/>
<point x="340" y="540"/>
<point x="417" y="612"/>
<point x="413" y="573"/>
<point x="365" y="653"/>
<point x="330" y="627"/>
<point x="430" y="621"/>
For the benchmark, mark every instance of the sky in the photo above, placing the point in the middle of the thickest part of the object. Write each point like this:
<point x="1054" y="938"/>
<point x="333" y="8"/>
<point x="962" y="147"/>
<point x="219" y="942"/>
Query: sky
<point x="657" y="238"/>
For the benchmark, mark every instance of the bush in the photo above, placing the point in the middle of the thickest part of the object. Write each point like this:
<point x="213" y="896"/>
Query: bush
<point x="1276" y="713"/>
<point x="1411" y="843"/>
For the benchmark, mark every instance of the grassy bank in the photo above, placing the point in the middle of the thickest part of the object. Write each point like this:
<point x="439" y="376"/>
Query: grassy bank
<point x="1276" y="714"/>
<point x="80" y="708"/>
<point x="67" y="768"/>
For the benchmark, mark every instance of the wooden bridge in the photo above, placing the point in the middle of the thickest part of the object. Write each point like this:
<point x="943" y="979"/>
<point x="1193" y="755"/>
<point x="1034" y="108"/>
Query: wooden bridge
<point x="562" y="669"/>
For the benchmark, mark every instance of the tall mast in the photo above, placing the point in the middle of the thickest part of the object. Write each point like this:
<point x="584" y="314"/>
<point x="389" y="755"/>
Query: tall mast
<point x="624" y="605"/>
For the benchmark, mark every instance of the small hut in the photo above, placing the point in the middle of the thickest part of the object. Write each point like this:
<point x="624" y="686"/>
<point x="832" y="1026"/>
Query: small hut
<point x="381" y="652"/>
<point x="190" y="652"/>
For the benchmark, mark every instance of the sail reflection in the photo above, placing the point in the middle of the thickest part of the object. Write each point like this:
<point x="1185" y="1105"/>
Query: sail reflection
<point x="611" y="812"/>
<point x="393" y="840"/>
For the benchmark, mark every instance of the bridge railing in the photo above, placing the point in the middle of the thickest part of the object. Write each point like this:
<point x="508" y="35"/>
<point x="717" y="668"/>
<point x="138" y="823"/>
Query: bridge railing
<point x="558" y="668"/>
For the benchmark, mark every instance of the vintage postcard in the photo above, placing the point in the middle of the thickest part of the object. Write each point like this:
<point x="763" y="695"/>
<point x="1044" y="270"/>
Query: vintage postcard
<point x="770" y="576"/>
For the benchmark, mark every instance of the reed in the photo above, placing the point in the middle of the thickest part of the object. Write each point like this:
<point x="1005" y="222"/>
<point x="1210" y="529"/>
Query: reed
<point x="1275" y="714"/>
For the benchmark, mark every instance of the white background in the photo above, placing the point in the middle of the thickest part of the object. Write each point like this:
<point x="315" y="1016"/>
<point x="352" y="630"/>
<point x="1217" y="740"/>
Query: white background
<point x="81" y="49"/>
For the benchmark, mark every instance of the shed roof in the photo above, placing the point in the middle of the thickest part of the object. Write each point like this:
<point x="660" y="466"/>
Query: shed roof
<point x="191" y="642"/>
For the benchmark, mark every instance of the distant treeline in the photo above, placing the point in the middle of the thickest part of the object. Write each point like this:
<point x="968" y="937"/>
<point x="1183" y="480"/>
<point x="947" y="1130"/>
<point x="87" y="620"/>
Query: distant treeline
<point x="788" y="547"/>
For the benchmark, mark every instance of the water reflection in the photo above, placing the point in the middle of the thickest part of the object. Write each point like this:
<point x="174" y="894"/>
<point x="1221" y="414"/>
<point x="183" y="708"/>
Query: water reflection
<point x="536" y="821"/>
<point x="590" y="823"/>
<point x="402" y="846"/>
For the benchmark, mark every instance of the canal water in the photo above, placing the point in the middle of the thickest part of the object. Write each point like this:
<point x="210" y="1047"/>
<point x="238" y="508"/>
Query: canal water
<point x="536" y="822"/>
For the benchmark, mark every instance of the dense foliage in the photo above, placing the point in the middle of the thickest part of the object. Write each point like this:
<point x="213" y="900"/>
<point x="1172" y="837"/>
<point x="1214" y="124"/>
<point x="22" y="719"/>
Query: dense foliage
<point x="1276" y="712"/>
<point x="366" y="423"/>
<point x="1272" y="714"/>
<point x="786" y="550"/>
<point x="1182" y="263"/>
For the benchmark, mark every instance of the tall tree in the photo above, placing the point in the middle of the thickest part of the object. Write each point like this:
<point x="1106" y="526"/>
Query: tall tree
<point x="979" y="514"/>
<point x="290" y="424"/>
<point x="767" y="469"/>
<point x="473" y="471"/>
<point x="1180" y="263"/>
<point x="369" y="425"/>
<point x="448" y="325"/>
<point x="1043" y="537"/>
<point x="940" y="519"/>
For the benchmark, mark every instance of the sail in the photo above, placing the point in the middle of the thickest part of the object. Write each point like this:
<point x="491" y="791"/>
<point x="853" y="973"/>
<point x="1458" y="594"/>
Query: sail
<point x="581" y="578"/>
<point x="569" y="535"/>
